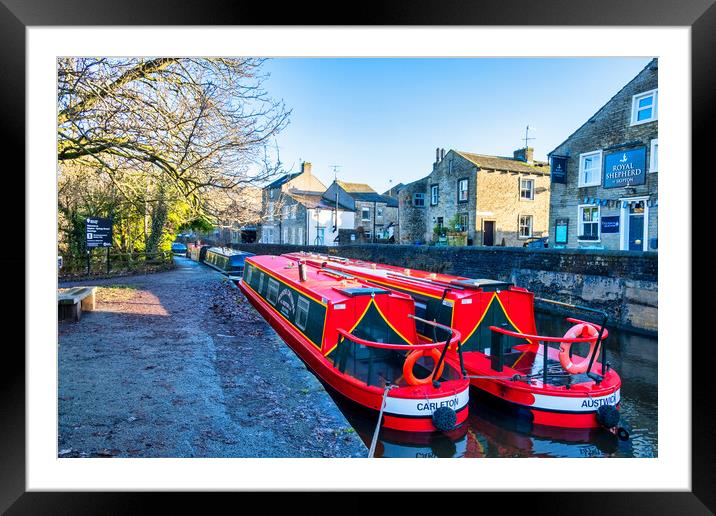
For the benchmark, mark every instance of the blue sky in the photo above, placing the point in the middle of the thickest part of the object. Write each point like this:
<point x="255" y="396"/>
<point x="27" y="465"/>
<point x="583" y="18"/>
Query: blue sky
<point x="381" y="119"/>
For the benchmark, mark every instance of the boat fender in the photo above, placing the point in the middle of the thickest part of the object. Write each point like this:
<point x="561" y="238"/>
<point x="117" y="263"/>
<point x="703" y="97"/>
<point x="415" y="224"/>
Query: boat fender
<point x="444" y="419"/>
<point x="622" y="433"/>
<point x="608" y="416"/>
<point x="413" y="357"/>
<point x="575" y="332"/>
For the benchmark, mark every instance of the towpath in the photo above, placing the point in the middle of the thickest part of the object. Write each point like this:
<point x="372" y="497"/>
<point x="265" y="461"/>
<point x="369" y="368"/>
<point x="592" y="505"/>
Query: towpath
<point x="178" y="364"/>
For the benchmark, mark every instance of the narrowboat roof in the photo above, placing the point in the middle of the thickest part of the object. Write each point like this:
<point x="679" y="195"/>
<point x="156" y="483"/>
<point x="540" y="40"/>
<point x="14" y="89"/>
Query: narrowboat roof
<point x="325" y="285"/>
<point x="227" y="251"/>
<point x="421" y="281"/>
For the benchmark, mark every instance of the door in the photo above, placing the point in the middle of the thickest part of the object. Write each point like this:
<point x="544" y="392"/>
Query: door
<point x="488" y="232"/>
<point x="636" y="226"/>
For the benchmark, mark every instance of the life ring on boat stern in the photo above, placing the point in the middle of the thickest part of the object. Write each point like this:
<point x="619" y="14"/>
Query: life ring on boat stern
<point x="576" y="332"/>
<point x="413" y="357"/>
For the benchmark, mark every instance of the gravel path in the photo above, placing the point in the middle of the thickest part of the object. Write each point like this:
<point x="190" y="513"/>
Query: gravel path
<point x="178" y="364"/>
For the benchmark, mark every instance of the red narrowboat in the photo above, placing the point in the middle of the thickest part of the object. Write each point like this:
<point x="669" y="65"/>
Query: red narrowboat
<point x="362" y="341"/>
<point x="506" y="359"/>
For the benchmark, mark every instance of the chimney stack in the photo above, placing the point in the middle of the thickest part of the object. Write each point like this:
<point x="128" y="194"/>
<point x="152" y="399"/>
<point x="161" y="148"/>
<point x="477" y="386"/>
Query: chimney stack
<point x="437" y="155"/>
<point x="306" y="167"/>
<point x="525" y="154"/>
<point x="442" y="154"/>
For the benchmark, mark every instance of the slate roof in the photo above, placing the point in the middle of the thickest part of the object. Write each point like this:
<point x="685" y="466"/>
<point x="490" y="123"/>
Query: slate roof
<point x="355" y="187"/>
<point x="507" y="164"/>
<point x="311" y="199"/>
<point x="363" y="192"/>
<point x="282" y="180"/>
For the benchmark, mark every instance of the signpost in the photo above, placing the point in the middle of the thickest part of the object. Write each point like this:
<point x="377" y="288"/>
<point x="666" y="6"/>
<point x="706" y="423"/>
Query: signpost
<point x="99" y="234"/>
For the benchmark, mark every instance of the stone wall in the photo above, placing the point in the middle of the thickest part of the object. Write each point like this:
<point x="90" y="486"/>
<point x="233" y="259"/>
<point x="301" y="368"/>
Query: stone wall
<point x="498" y="199"/>
<point x="622" y="283"/>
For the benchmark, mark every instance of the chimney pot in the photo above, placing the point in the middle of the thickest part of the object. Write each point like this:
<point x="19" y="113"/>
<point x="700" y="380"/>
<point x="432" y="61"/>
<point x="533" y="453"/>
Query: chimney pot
<point x="442" y="154"/>
<point x="306" y="167"/>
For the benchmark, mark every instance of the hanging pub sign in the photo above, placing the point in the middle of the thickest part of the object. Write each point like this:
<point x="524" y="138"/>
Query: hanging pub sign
<point x="610" y="224"/>
<point x="559" y="169"/>
<point x="625" y="168"/>
<point x="99" y="232"/>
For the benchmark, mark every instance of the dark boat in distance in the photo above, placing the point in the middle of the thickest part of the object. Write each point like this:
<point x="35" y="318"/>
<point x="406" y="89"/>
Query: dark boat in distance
<point x="226" y="260"/>
<point x="503" y="354"/>
<point x="362" y="341"/>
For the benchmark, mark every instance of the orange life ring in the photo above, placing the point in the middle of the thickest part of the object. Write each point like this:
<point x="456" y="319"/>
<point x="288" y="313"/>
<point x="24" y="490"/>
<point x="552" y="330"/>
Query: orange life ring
<point x="575" y="332"/>
<point x="413" y="357"/>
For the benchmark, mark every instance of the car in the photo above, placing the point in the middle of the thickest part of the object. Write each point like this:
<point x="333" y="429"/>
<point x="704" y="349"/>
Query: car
<point x="179" y="248"/>
<point x="536" y="242"/>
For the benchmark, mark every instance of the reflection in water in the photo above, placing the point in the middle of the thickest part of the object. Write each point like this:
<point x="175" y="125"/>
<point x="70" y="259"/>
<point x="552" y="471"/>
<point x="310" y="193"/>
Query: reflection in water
<point x="492" y="432"/>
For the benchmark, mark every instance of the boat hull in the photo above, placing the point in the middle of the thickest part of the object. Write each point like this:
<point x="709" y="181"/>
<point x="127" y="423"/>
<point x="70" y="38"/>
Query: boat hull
<point x="408" y="408"/>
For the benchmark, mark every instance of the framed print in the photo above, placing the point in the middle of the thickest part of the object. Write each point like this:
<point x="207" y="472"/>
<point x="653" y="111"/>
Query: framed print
<point x="57" y="52"/>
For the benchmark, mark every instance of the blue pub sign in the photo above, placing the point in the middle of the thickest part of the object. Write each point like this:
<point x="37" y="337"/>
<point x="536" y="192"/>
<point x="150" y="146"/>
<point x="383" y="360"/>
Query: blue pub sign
<point x="559" y="169"/>
<point x="625" y="168"/>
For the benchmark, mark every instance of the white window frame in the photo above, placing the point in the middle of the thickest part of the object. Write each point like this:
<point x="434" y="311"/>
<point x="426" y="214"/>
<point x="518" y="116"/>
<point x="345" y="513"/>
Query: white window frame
<point x="367" y="235"/>
<point x="582" y="157"/>
<point x="654" y="156"/>
<point x="531" y="189"/>
<point x="466" y="190"/>
<point x="519" y="226"/>
<point x="434" y="195"/>
<point x="654" y="106"/>
<point x="379" y="212"/>
<point x="580" y="222"/>
<point x="363" y="211"/>
<point x="270" y="211"/>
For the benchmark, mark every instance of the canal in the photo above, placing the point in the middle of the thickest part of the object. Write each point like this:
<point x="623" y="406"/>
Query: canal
<point x="490" y="432"/>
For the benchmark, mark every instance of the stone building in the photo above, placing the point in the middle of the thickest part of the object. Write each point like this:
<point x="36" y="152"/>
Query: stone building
<point x="376" y="215"/>
<point x="281" y="202"/>
<point x="496" y="200"/>
<point x="605" y="175"/>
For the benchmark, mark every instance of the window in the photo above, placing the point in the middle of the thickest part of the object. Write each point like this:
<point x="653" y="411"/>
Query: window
<point x="248" y="273"/>
<point x="367" y="235"/>
<point x="300" y="236"/>
<point x="285" y="235"/>
<point x="588" y="218"/>
<point x="365" y="213"/>
<point x="462" y="190"/>
<point x="320" y="235"/>
<point x="302" y="312"/>
<point x="525" y="226"/>
<point x="261" y="282"/>
<point x="419" y="199"/>
<point x="527" y="189"/>
<point x="294" y="209"/>
<point x="286" y="211"/>
<point x="272" y="294"/>
<point x="270" y="193"/>
<point x="590" y="168"/>
<point x="464" y="219"/>
<point x="434" y="194"/>
<point x="645" y="107"/>
<point x="270" y="211"/>
<point x="654" y="156"/>
<point x="440" y="222"/>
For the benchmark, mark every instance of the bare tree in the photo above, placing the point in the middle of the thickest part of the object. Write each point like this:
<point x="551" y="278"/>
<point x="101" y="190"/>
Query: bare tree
<point x="202" y="122"/>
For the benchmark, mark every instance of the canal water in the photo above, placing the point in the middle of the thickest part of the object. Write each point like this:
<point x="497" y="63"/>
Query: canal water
<point x="490" y="432"/>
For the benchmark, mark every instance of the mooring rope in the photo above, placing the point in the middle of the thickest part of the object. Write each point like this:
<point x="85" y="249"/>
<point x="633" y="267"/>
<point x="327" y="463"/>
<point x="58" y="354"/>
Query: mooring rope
<point x="371" y="452"/>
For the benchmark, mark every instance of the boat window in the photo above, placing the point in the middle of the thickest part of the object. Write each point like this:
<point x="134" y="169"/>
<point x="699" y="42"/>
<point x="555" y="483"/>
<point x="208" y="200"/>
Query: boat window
<point x="302" y="312"/>
<point x="249" y="273"/>
<point x="272" y="294"/>
<point x="421" y="310"/>
<point x="261" y="282"/>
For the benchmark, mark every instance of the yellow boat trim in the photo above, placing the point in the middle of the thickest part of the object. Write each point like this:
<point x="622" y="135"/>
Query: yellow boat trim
<point x="266" y="271"/>
<point x="371" y="302"/>
<point x="285" y="318"/>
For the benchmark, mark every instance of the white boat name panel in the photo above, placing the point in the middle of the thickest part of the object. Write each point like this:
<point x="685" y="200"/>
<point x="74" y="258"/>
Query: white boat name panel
<point x="425" y="407"/>
<point x="576" y="404"/>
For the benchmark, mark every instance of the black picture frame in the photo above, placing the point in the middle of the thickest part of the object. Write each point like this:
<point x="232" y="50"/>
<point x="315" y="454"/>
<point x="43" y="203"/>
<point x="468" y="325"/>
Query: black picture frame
<point x="17" y="15"/>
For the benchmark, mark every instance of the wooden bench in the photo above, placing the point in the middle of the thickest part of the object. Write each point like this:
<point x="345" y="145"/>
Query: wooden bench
<point x="72" y="302"/>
